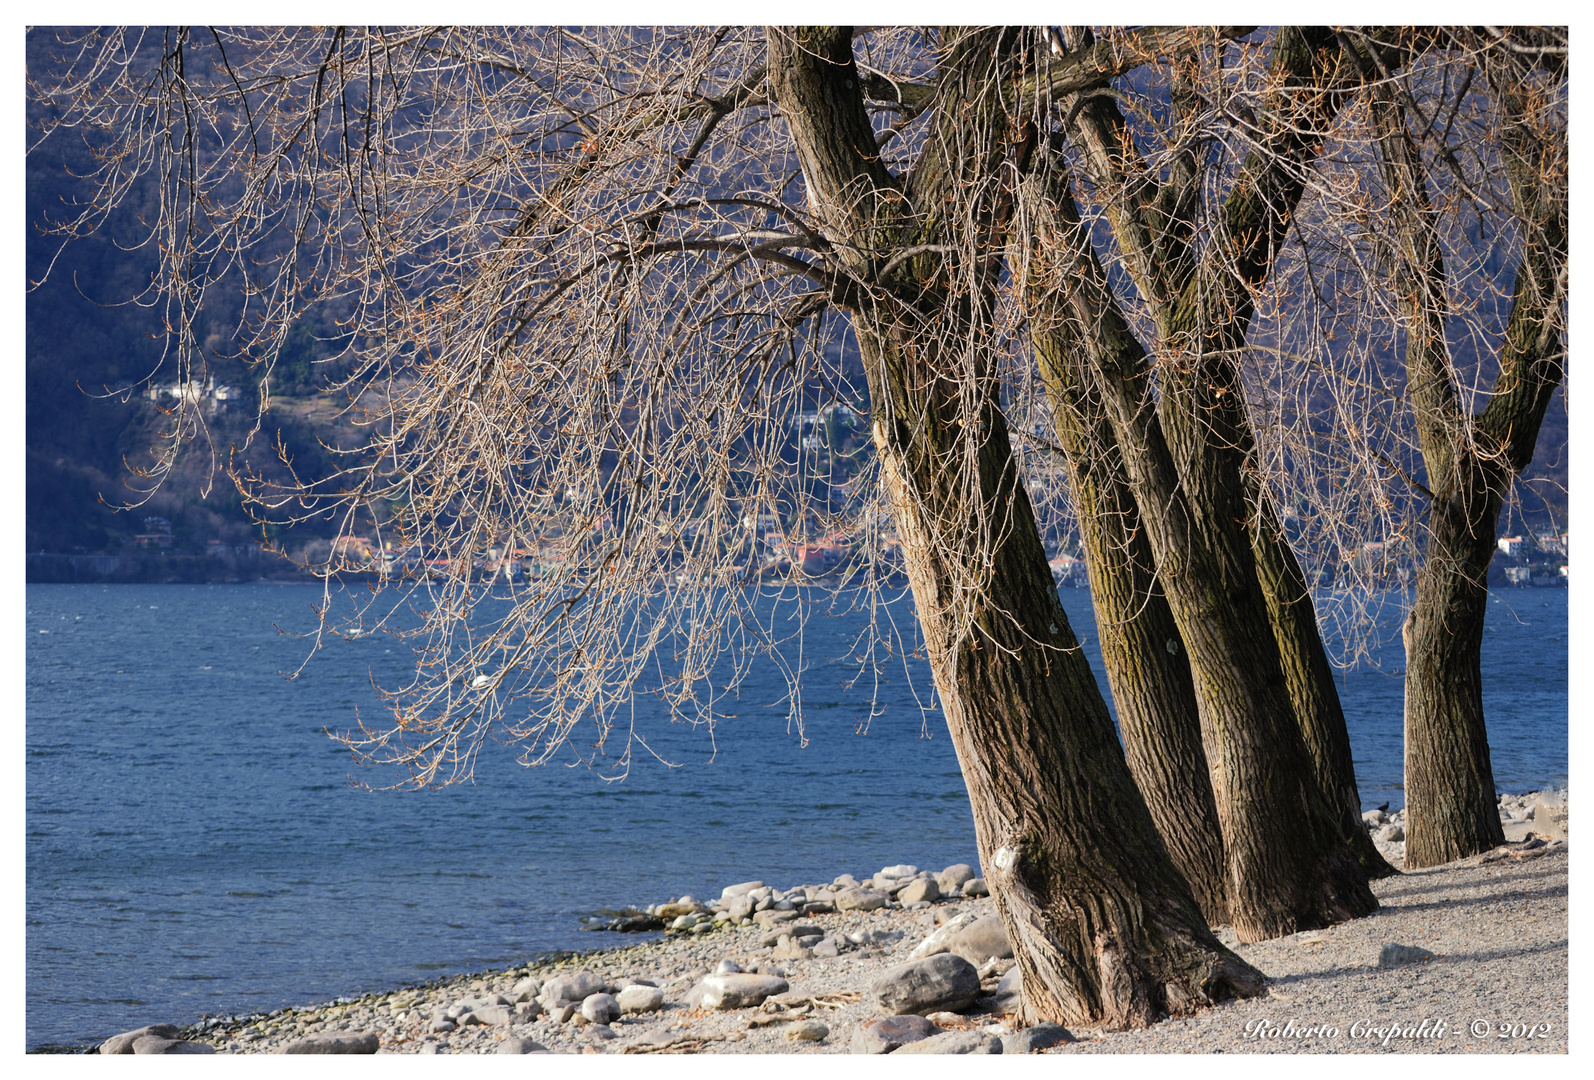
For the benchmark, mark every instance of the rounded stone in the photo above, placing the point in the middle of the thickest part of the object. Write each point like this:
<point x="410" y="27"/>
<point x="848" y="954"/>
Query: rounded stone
<point x="335" y="1042"/>
<point x="640" y="999"/>
<point x="943" y="981"/>
<point x="807" y="1031"/>
<point x="600" y="1008"/>
<point x="860" y="900"/>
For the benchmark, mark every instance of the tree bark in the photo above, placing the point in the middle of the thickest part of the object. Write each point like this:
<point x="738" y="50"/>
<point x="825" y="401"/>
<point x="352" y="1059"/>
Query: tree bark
<point x="1288" y="865"/>
<point x="1104" y="928"/>
<point x="1309" y="677"/>
<point x="1451" y="808"/>
<point x="1290" y="859"/>
<point x="1144" y="657"/>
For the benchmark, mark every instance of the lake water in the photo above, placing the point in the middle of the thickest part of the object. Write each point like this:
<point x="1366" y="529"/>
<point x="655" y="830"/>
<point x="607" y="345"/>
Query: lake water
<point x="193" y="845"/>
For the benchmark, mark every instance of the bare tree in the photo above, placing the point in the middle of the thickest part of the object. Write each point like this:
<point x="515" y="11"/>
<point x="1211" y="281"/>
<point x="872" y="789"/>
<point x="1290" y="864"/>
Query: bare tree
<point x="1235" y="212"/>
<point x="592" y="276"/>
<point x="1103" y="925"/>
<point x="1435" y="259"/>
<point x="590" y="279"/>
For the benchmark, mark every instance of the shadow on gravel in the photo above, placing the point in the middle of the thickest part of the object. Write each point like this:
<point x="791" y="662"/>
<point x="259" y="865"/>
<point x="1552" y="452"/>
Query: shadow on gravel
<point x="1492" y="898"/>
<point x="1282" y="981"/>
<point x="1484" y="956"/>
<point x="1420" y="882"/>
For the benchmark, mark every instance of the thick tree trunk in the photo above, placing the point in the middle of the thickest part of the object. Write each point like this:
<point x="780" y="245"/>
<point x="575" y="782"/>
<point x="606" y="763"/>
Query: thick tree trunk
<point x="1291" y="867"/>
<point x="1451" y="802"/>
<point x="1148" y="671"/>
<point x="1104" y="927"/>
<point x="1451" y="808"/>
<point x="1141" y="650"/>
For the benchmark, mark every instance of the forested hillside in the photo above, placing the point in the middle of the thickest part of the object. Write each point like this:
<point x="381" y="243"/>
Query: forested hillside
<point x="96" y="341"/>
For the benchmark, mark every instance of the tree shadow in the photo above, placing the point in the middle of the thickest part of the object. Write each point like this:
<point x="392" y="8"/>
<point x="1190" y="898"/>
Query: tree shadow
<point x="1414" y="884"/>
<point x="1492" y="897"/>
<point x="1439" y="962"/>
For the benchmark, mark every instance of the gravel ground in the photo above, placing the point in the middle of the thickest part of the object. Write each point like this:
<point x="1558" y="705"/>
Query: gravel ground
<point x="1497" y="926"/>
<point x="1499" y="934"/>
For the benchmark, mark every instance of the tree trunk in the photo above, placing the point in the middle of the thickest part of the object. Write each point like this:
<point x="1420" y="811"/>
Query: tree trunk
<point x="1290" y="865"/>
<point x="1290" y="861"/>
<point x="1148" y="671"/>
<point x="1310" y="678"/>
<point x="1104" y="928"/>
<point x="1451" y="808"/>
<point x="1145" y="660"/>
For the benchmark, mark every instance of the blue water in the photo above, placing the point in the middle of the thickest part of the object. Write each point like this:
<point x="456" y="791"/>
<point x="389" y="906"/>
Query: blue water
<point x="193" y="844"/>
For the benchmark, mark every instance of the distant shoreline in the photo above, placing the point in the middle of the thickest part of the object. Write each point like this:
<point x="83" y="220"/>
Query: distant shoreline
<point x="184" y="568"/>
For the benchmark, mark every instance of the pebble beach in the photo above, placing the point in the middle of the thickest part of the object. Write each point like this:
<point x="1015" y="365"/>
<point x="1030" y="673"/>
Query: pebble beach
<point x="1470" y="957"/>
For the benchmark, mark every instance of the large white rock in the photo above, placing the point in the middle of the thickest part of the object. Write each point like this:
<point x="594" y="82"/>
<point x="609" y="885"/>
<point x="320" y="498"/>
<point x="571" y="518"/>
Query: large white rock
<point x="571" y="988"/>
<point x="489" y="1014"/>
<point x="123" y="1043"/>
<point x="335" y="1042"/>
<point x="741" y="991"/>
<point x="600" y="1008"/>
<point x="155" y="1044"/>
<point x="1549" y="819"/>
<point x="952" y="878"/>
<point x="739" y="890"/>
<point x="938" y="940"/>
<point x="859" y="900"/>
<point x="640" y="999"/>
<point x="983" y="939"/>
